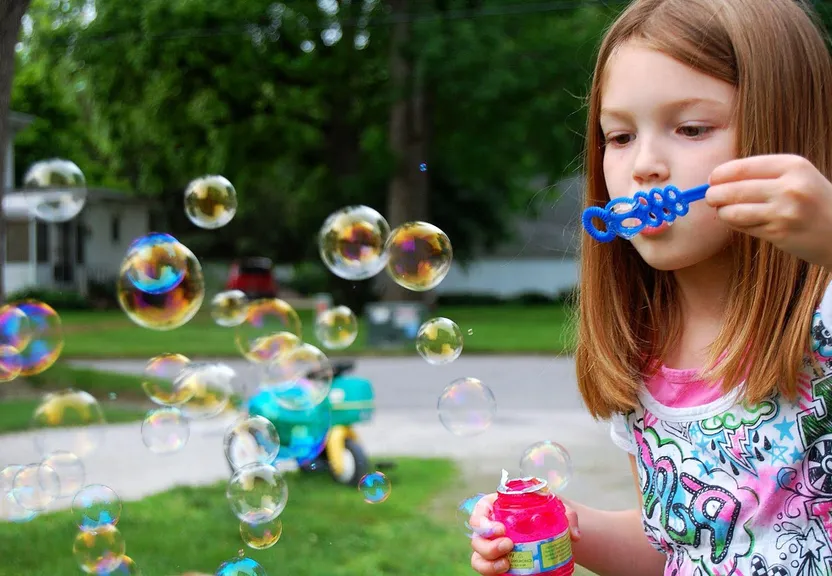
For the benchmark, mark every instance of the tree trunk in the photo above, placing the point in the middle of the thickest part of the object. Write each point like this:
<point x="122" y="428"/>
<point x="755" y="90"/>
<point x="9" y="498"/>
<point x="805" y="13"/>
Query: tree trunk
<point x="11" y="14"/>
<point x="407" y="196"/>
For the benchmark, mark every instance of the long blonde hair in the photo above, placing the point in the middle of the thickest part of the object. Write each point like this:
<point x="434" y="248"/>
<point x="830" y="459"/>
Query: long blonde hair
<point x="774" y="53"/>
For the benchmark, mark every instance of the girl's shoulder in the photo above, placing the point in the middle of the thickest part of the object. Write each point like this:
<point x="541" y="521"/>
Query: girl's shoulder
<point x="675" y="404"/>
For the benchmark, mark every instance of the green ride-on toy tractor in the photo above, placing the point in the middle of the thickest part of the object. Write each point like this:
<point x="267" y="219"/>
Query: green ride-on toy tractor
<point x="323" y="437"/>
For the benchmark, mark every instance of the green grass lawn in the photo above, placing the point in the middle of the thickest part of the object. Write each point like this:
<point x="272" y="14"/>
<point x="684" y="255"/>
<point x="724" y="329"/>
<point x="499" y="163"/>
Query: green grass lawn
<point x="16" y="415"/>
<point x="100" y="384"/>
<point x="493" y="329"/>
<point x="327" y="529"/>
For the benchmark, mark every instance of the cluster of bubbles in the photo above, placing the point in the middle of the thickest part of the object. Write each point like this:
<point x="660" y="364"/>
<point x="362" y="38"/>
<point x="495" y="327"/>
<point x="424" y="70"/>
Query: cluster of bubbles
<point x="160" y="286"/>
<point x="31" y="489"/>
<point x="357" y="243"/>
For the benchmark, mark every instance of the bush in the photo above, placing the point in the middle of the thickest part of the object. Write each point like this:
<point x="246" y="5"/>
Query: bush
<point x="468" y="300"/>
<point x="533" y="299"/>
<point x="309" y="278"/>
<point x="60" y="300"/>
<point x="102" y="293"/>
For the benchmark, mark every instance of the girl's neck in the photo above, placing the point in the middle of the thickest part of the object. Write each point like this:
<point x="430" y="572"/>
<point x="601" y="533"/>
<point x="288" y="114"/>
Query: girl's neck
<point x="703" y="289"/>
<point x="703" y="292"/>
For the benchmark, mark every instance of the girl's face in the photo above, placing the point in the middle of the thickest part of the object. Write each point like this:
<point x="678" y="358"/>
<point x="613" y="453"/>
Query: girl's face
<point x="665" y="123"/>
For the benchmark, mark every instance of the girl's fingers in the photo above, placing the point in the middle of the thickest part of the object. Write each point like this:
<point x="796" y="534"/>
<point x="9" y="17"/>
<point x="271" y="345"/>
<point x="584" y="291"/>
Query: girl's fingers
<point x="491" y="549"/>
<point x="488" y="567"/>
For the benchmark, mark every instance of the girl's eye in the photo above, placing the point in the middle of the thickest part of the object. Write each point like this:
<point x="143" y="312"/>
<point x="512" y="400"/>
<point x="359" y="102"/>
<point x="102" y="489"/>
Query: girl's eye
<point x="695" y="131"/>
<point x="618" y="140"/>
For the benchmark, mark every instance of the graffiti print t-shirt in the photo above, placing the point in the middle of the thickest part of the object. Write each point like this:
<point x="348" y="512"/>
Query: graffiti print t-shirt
<point x="737" y="490"/>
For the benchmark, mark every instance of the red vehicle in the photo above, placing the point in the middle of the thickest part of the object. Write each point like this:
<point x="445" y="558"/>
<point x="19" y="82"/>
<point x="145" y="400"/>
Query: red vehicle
<point x="254" y="277"/>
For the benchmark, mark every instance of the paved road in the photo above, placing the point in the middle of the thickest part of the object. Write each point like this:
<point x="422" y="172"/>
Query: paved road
<point x="518" y="382"/>
<point x="536" y="398"/>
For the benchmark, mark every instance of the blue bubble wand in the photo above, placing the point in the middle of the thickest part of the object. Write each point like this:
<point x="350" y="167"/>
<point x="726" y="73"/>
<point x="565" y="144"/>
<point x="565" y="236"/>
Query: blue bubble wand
<point x="652" y="208"/>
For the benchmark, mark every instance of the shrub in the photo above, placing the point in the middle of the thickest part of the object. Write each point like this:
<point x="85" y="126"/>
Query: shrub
<point x="59" y="300"/>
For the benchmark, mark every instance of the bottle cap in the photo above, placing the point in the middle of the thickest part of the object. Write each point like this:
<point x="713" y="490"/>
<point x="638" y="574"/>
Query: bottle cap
<point x="526" y="485"/>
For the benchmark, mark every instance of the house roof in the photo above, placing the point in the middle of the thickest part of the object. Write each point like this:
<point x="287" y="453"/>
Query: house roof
<point x="551" y="226"/>
<point x="18" y="120"/>
<point x="16" y="206"/>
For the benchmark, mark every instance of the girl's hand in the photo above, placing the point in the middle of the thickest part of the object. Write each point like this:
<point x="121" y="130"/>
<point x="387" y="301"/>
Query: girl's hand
<point x="491" y="548"/>
<point x="780" y="198"/>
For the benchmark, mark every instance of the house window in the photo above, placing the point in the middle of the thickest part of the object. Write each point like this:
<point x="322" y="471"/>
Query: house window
<point x="17" y="241"/>
<point x="42" y="233"/>
<point x="115" y="229"/>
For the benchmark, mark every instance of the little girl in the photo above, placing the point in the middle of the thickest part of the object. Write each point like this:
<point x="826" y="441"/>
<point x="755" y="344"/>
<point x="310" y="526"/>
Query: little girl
<point x="708" y="344"/>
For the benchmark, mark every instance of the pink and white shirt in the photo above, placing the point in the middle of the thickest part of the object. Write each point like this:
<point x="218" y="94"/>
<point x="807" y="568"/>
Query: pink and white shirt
<point x="731" y="489"/>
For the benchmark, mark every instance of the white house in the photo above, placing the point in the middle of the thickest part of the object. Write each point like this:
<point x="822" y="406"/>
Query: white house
<point x="69" y="255"/>
<point x="542" y="257"/>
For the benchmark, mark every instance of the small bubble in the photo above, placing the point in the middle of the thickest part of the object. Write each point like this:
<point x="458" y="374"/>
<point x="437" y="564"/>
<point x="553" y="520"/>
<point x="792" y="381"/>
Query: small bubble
<point x="423" y="167"/>
<point x="112" y="396"/>
<point x="470" y="331"/>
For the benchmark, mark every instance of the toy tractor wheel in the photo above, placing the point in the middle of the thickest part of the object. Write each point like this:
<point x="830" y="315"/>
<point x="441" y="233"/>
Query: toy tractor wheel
<point x="355" y="464"/>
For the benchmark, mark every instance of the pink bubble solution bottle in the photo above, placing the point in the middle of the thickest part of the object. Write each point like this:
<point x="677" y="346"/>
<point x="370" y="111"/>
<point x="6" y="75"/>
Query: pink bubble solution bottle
<point x="535" y="520"/>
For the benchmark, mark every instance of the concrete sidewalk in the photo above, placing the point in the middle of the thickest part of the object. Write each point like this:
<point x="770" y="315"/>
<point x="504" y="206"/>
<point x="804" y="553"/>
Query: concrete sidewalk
<point x="601" y="471"/>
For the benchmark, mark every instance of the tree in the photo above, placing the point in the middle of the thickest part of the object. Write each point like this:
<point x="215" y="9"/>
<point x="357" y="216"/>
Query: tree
<point x="293" y="103"/>
<point x="11" y="16"/>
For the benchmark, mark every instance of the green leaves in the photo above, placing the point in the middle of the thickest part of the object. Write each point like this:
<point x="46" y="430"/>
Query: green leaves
<point x="152" y="94"/>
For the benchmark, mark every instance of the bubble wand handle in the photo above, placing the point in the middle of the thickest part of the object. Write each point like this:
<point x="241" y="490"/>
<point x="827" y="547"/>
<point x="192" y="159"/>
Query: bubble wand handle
<point x="652" y="208"/>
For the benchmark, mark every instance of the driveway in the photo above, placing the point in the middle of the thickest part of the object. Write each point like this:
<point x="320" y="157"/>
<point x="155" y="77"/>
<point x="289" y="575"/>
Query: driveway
<point x="537" y="399"/>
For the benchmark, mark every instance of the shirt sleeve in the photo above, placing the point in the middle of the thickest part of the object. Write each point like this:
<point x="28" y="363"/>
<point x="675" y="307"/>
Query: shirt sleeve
<point x="826" y="308"/>
<point x="620" y="434"/>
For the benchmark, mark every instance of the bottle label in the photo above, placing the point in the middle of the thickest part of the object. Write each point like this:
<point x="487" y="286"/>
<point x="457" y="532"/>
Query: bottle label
<point x="541" y="556"/>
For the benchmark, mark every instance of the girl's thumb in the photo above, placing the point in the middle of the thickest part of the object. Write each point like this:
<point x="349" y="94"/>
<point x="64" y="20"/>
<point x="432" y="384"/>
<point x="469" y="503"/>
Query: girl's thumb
<point x="573" y="524"/>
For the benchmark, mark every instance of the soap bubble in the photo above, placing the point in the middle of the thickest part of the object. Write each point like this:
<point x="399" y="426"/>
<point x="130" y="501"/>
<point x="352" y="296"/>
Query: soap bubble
<point x="210" y="202"/>
<point x="265" y="318"/>
<point x="240" y="567"/>
<point x="375" y="487"/>
<point x="439" y="341"/>
<point x="268" y="349"/>
<point x="36" y="486"/>
<point x="10" y="508"/>
<point x="46" y="341"/>
<point x="10" y="363"/>
<point x="99" y="551"/>
<point x="69" y="420"/>
<point x="211" y="383"/>
<point x="126" y="568"/>
<point x="96" y="506"/>
<point x="12" y="511"/>
<point x="250" y="441"/>
<point x="55" y="189"/>
<point x="165" y="430"/>
<point x="466" y="407"/>
<point x="229" y="308"/>
<point x="167" y="310"/>
<point x="419" y="255"/>
<point x="257" y="493"/>
<point x="423" y="167"/>
<point x="15" y="328"/>
<point x="70" y="471"/>
<point x="548" y="461"/>
<point x="261" y="536"/>
<point x="463" y="515"/>
<point x="351" y="242"/>
<point x="307" y="429"/>
<point x="301" y="378"/>
<point x="155" y="264"/>
<point x="162" y="383"/>
<point x="336" y="328"/>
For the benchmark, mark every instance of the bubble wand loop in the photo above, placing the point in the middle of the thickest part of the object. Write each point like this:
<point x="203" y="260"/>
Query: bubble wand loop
<point x="652" y="208"/>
